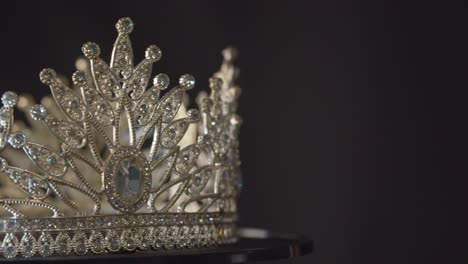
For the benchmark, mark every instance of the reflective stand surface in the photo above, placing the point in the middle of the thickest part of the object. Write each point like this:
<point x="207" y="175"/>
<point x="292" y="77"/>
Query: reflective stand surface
<point x="254" y="245"/>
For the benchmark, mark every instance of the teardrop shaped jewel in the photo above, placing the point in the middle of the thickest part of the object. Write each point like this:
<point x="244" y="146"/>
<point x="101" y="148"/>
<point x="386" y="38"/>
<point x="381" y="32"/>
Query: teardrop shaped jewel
<point x="28" y="245"/>
<point x="80" y="245"/>
<point x="45" y="244"/>
<point x="63" y="245"/>
<point x="113" y="241"/>
<point x="130" y="239"/>
<point x="10" y="246"/>
<point x="97" y="242"/>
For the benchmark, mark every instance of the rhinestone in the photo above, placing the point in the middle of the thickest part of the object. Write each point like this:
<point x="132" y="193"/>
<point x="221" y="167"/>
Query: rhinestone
<point x="79" y="77"/>
<point x="28" y="245"/>
<point x="124" y="25"/>
<point x="113" y="241"/>
<point x="45" y="245"/>
<point x="91" y="50"/>
<point x="153" y="53"/>
<point x="187" y="81"/>
<point x="38" y="112"/>
<point x="96" y="242"/>
<point x="47" y="76"/>
<point x="9" y="99"/>
<point x="63" y="245"/>
<point x="4" y="115"/>
<point x="17" y="140"/>
<point x="129" y="180"/>
<point x="161" y="81"/>
<point x="80" y="245"/>
<point x="10" y="246"/>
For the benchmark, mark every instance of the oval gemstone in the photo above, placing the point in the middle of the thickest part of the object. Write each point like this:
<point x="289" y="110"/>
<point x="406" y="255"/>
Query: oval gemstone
<point x="129" y="180"/>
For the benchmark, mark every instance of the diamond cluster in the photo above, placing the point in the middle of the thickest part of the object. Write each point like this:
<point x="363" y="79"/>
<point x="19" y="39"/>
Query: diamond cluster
<point x="124" y="164"/>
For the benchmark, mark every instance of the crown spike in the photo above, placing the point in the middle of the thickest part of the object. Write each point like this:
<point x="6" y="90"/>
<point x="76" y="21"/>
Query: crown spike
<point x="124" y="25"/>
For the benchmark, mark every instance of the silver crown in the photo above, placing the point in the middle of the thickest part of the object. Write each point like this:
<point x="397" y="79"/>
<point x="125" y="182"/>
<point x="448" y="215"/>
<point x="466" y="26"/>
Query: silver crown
<point x="120" y="168"/>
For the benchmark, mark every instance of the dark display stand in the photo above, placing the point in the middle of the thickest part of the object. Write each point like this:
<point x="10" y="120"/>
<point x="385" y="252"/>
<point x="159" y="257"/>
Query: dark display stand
<point x="253" y="245"/>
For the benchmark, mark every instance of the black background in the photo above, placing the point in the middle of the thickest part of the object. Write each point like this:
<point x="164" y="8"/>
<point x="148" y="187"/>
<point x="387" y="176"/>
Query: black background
<point x="355" y="114"/>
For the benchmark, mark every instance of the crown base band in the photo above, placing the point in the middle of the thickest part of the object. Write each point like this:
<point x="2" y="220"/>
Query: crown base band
<point x="115" y="233"/>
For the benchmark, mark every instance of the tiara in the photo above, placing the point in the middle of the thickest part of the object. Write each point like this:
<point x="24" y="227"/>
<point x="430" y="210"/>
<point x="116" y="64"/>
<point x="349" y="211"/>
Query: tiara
<point x="105" y="164"/>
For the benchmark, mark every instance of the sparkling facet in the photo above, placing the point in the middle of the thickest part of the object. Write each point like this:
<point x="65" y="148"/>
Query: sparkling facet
<point x="9" y="99"/>
<point x="187" y="81"/>
<point x="38" y="112"/>
<point x="28" y="245"/>
<point x="129" y="179"/>
<point x="17" y="140"/>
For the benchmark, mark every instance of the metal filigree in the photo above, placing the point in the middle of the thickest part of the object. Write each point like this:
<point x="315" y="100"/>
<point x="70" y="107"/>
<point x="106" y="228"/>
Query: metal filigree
<point x="124" y="165"/>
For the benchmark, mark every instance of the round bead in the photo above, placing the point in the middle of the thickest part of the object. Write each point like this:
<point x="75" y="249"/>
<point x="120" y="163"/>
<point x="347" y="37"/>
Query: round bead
<point x="91" y="50"/>
<point x="187" y="81"/>
<point x="161" y="81"/>
<point x="153" y="53"/>
<point x="124" y="25"/>
<point x="9" y="99"/>
<point x="38" y="112"/>
<point x="47" y="76"/>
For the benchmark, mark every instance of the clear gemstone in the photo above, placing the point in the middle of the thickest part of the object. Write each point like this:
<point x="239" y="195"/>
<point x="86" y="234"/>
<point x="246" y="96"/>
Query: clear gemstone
<point x="161" y="81"/>
<point x="129" y="179"/>
<point x="113" y="241"/>
<point x="47" y="76"/>
<point x="153" y="53"/>
<point x="80" y="245"/>
<point x="91" y="50"/>
<point x="45" y="245"/>
<point x="10" y="246"/>
<point x="17" y="140"/>
<point x="9" y="99"/>
<point x="124" y="25"/>
<point x="28" y="245"/>
<point x="96" y="242"/>
<point x="187" y="81"/>
<point x="63" y="244"/>
<point x="38" y="112"/>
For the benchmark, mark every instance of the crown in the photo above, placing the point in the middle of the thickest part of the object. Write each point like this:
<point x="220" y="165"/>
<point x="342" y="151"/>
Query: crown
<point x="112" y="163"/>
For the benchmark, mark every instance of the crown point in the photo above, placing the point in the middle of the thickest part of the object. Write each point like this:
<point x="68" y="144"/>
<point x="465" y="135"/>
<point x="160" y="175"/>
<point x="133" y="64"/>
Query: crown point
<point x="187" y="81"/>
<point x="153" y="53"/>
<point x="216" y="83"/>
<point x="161" y="81"/>
<point x="91" y="50"/>
<point x="9" y="99"/>
<point x="79" y="77"/>
<point x="230" y="54"/>
<point x="38" y="112"/>
<point x="124" y="25"/>
<point x="48" y="76"/>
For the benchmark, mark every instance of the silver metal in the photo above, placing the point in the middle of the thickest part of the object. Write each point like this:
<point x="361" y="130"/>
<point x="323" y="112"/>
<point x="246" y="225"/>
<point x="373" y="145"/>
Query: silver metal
<point x="123" y="168"/>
